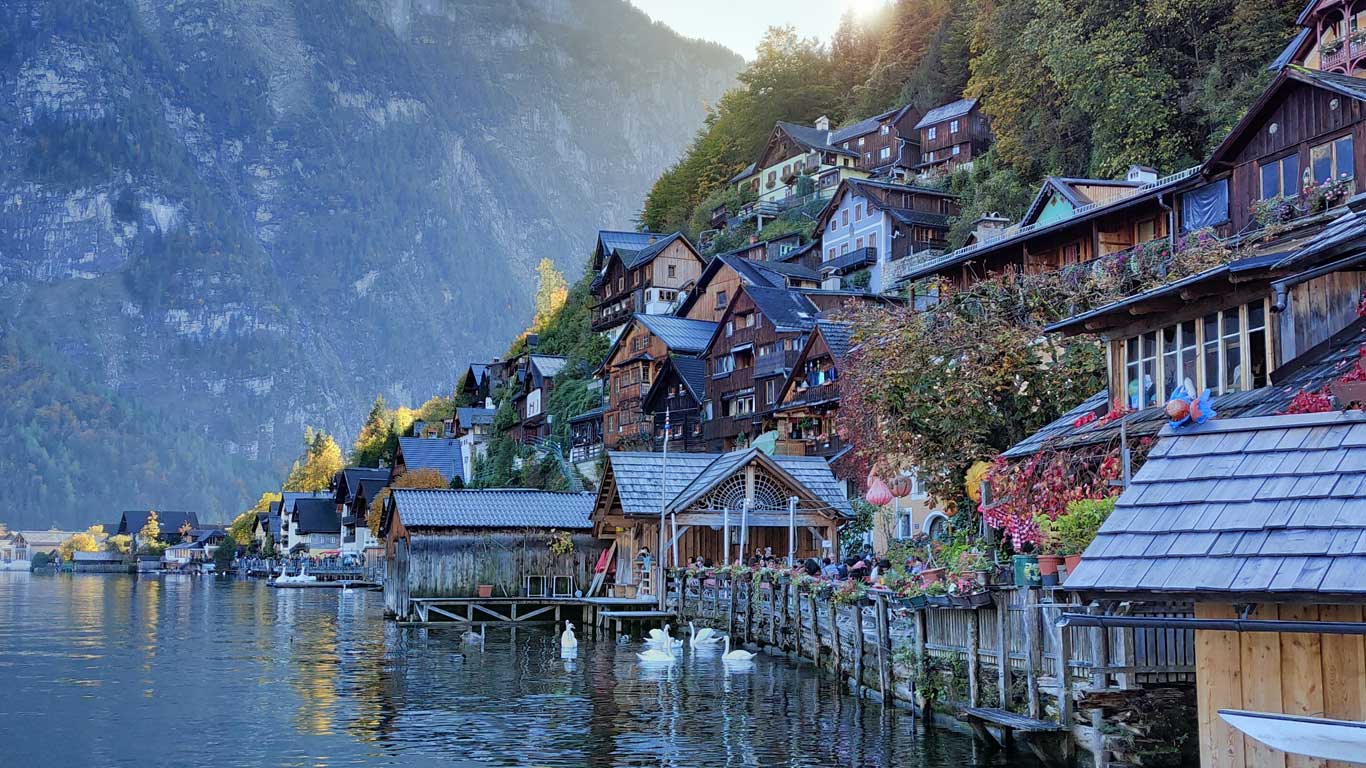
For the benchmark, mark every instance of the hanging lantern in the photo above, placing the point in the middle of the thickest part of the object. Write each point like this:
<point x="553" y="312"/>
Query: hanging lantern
<point x="879" y="494"/>
<point x="900" y="486"/>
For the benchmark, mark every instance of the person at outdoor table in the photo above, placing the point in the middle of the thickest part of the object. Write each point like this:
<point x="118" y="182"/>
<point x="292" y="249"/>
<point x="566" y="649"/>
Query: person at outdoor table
<point x="875" y="572"/>
<point x="858" y="571"/>
<point x="915" y="565"/>
<point x="813" y="567"/>
<point x="846" y="565"/>
<point x="830" y="570"/>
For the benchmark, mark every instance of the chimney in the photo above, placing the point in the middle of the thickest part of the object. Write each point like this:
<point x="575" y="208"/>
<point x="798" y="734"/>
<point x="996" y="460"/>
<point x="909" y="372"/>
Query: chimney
<point x="823" y="124"/>
<point x="532" y="340"/>
<point x="1141" y="174"/>
<point x="989" y="227"/>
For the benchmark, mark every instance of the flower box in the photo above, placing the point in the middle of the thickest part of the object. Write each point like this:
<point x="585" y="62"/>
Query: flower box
<point x="973" y="600"/>
<point x="918" y="602"/>
<point x="939" y="601"/>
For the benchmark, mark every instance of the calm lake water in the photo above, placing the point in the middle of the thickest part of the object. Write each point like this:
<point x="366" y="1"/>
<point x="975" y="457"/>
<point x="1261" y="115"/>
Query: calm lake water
<point x="120" y="671"/>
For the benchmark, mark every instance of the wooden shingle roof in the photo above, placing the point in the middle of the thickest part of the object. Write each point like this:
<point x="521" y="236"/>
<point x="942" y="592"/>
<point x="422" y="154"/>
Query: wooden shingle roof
<point x="492" y="508"/>
<point x="1272" y="505"/>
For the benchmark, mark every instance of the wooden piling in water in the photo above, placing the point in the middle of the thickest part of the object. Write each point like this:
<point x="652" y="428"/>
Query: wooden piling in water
<point x="858" y="648"/>
<point x="974" y="658"/>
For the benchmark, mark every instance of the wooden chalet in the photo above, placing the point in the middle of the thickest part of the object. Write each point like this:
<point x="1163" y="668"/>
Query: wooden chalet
<point x="1329" y="39"/>
<point x="1259" y="523"/>
<point x="951" y="136"/>
<point x="708" y="298"/>
<point x="810" y="397"/>
<point x="632" y="365"/>
<point x="537" y="382"/>
<point x="585" y="436"/>
<point x="352" y="490"/>
<point x="872" y="232"/>
<point x="639" y="272"/>
<point x="887" y="144"/>
<point x="473" y="385"/>
<point x="673" y="404"/>
<point x="800" y="152"/>
<point x="746" y="498"/>
<point x="446" y="544"/>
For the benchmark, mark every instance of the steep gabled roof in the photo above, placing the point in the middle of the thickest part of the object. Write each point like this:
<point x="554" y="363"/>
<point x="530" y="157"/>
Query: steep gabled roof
<point x="1070" y="190"/>
<point x="316" y="516"/>
<point x="611" y="241"/>
<point x="1343" y="85"/>
<point x="751" y="272"/>
<point x="549" y="365"/>
<point x="491" y="508"/>
<point x="469" y="417"/>
<point x="351" y="478"/>
<point x="787" y="309"/>
<point x="812" y="138"/>
<point x="441" y="454"/>
<point x="169" y="521"/>
<point x="868" y="188"/>
<point x="1261" y="506"/>
<point x="838" y="340"/>
<point x="638" y="477"/>
<point x="289" y="498"/>
<point x="946" y="112"/>
<point x="691" y="371"/>
<point x="868" y="125"/>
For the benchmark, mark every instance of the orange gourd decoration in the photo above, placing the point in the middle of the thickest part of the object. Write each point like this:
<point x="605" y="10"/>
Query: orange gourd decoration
<point x="900" y="486"/>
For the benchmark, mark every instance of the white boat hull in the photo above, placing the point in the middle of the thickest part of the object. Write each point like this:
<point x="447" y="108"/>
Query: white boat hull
<point x="1320" y="737"/>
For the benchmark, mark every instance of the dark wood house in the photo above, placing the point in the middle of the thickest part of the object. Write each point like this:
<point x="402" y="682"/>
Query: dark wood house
<point x="442" y="544"/>
<point x="810" y="397"/>
<point x="585" y="436"/>
<point x="887" y="144"/>
<point x="639" y="272"/>
<point x="675" y="399"/>
<point x="951" y="136"/>
<point x="537" y="382"/>
<point x="708" y="298"/>
<point x="632" y="366"/>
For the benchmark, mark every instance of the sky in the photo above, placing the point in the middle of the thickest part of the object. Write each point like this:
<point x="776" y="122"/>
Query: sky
<point x="738" y="24"/>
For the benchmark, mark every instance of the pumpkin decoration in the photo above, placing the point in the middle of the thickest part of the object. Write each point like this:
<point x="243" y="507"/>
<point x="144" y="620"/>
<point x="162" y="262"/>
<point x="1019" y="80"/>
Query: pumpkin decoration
<point x="972" y="481"/>
<point x="879" y="495"/>
<point x="900" y="486"/>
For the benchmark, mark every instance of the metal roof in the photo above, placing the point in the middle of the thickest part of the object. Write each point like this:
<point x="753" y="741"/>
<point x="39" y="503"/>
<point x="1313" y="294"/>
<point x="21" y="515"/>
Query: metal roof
<point x="1261" y="505"/>
<point x="316" y="516"/>
<point x="493" y="508"/>
<point x="679" y="334"/>
<point x="468" y="417"/>
<point x="441" y="454"/>
<point x="866" y="125"/>
<point x="610" y="240"/>
<point x="169" y="521"/>
<point x="788" y="310"/>
<point x="813" y="138"/>
<point x="549" y="365"/>
<point x="946" y="112"/>
<point x="640" y="477"/>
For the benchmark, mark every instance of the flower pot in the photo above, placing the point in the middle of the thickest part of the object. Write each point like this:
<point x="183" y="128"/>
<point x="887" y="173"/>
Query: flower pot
<point x="1072" y="562"/>
<point x="485" y="590"/>
<point x="983" y="578"/>
<point x="1048" y="569"/>
<point x="919" y="602"/>
<point x="975" y="600"/>
<point x="931" y="575"/>
<point x="1026" y="570"/>
<point x="939" y="601"/>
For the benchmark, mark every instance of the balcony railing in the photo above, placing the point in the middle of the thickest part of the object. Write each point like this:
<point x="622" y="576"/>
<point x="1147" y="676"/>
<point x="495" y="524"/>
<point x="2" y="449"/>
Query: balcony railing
<point x="775" y="362"/>
<point x="803" y="394"/>
<point x="852" y="261"/>
<point x="1334" y="54"/>
<point x="589" y="452"/>
<point x="727" y="427"/>
<point x="810" y="447"/>
<point x="604" y="317"/>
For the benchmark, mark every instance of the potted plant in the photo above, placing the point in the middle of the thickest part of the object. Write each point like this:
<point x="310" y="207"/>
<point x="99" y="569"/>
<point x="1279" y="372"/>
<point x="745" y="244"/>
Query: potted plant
<point x="485" y="590"/>
<point x="965" y="592"/>
<point x="1049" y="558"/>
<point x="1078" y="527"/>
<point x="913" y="595"/>
<point x="852" y="592"/>
<point x="937" y="594"/>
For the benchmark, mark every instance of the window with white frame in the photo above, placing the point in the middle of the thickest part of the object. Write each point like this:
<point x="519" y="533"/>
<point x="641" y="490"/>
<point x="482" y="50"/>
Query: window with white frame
<point x="930" y="133"/>
<point x="884" y="153"/>
<point x="953" y="126"/>
<point x="1225" y="351"/>
<point x="886" y="129"/>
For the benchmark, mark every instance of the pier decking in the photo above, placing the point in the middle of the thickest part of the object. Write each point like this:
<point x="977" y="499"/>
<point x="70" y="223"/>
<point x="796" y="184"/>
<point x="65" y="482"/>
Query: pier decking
<point x="591" y="611"/>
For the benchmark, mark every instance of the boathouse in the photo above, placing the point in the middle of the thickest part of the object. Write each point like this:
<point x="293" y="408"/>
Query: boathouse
<point x="758" y="502"/>
<point x="504" y="543"/>
<point x="1261" y="523"/>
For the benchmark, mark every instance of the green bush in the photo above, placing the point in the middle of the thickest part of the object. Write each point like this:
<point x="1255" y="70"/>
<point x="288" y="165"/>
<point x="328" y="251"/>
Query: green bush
<point x="1076" y="529"/>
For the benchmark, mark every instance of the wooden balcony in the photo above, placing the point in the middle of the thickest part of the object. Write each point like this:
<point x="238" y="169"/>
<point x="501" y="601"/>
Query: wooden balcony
<point x="775" y="363"/>
<point x="605" y="318"/>
<point x="728" y="427"/>
<point x="804" y="447"/>
<point x="803" y="394"/>
<point x="1336" y="58"/>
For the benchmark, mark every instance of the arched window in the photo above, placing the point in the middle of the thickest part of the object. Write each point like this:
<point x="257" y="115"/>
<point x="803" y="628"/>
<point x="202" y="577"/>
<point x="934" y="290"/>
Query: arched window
<point x="769" y="495"/>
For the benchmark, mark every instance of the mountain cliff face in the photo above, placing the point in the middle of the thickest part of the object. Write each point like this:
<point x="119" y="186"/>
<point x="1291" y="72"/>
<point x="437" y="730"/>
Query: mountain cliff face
<point x="222" y="220"/>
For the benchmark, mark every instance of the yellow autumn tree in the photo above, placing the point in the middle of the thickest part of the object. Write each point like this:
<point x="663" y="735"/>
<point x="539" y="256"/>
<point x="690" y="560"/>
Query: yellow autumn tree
<point x="416" y="478"/>
<point x="85" y="541"/>
<point x="313" y="471"/>
<point x="551" y="291"/>
<point x="149" y="537"/>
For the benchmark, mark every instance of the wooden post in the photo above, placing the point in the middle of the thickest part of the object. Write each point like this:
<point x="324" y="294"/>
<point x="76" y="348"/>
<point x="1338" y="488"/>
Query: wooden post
<point x="797" y="621"/>
<point x="815" y="629"/>
<point x="835" y="639"/>
<point x="683" y="597"/>
<point x="884" y="669"/>
<point x="858" y="648"/>
<point x="773" y="618"/>
<point x="1064" y="646"/>
<point x="730" y="611"/>
<point x="1124" y="639"/>
<point x="1033" y="650"/>
<point x="922" y="654"/>
<point x="1003" y="648"/>
<point x="974" y="646"/>
<point x="1100" y="650"/>
<point x="749" y="612"/>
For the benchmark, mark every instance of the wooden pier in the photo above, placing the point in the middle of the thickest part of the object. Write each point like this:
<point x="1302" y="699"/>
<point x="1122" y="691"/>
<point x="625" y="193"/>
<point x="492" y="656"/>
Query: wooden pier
<point x="599" y="612"/>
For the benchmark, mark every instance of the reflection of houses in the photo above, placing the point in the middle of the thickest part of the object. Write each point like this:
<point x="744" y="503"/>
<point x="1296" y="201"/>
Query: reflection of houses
<point x="447" y="543"/>
<point x="440" y="454"/>
<point x="632" y="365"/>
<point x="1258" y="519"/>
<point x="351" y="489"/>
<point x="872" y="231"/>
<point x="746" y="494"/>
<point x="639" y="272"/>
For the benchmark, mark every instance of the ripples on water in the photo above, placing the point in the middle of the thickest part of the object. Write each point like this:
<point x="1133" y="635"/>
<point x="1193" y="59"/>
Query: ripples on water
<point x="121" y="671"/>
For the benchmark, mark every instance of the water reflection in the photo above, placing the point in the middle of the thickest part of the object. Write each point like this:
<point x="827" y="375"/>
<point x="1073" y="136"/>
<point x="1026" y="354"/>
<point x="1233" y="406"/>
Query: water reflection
<point x="101" y="670"/>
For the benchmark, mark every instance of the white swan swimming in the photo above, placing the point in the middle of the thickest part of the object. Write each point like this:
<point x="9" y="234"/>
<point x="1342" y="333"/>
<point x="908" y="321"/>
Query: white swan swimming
<point x="657" y="635"/>
<point x="736" y="655"/>
<point x="663" y="638"/>
<point x="655" y="655"/>
<point x="567" y="639"/>
<point x="475" y="638"/>
<point x="707" y="638"/>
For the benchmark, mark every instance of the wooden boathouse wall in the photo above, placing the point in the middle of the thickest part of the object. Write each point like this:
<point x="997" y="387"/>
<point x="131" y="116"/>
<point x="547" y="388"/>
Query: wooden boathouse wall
<point x="454" y="563"/>
<point x="1294" y="674"/>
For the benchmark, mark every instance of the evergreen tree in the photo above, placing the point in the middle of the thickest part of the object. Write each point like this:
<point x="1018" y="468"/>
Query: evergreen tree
<point x="372" y="442"/>
<point x="321" y="460"/>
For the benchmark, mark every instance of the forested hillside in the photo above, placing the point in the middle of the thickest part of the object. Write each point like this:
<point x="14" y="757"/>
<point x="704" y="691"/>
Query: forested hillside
<point x="1072" y="87"/>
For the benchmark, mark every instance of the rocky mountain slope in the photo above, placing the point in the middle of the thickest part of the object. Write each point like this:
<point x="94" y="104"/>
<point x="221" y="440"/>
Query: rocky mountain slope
<point x="222" y="220"/>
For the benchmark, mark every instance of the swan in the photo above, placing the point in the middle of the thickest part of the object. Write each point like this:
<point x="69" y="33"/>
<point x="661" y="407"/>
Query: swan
<point x="736" y="655"/>
<point x="567" y="639"/>
<point x="707" y="638"/>
<point x="475" y="638"/>
<point x="657" y="635"/>
<point x="654" y="655"/>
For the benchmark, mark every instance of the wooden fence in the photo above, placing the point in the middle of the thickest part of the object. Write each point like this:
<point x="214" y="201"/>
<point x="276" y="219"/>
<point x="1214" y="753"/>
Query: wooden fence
<point x="948" y="657"/>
